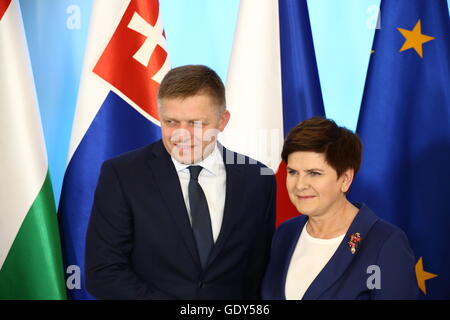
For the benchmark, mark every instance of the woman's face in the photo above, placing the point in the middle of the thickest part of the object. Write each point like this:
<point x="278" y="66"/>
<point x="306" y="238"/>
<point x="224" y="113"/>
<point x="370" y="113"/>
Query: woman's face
<point x="313" y="185"/>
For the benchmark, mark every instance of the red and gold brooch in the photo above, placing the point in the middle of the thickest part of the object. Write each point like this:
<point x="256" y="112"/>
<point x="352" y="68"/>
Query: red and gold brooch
<point x="355" y="240"/>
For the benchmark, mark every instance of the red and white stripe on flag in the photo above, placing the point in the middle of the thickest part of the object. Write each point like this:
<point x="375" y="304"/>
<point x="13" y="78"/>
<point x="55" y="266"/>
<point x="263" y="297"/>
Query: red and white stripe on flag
<point x="137" y="52"/>
<point x="4" y="4"/>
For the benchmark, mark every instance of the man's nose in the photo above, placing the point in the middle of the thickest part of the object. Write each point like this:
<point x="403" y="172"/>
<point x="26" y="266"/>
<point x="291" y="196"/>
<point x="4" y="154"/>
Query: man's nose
<point x="182" y="133"/>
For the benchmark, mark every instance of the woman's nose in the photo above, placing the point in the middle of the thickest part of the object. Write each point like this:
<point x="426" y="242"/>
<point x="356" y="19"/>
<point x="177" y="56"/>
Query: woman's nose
<point x="302" y="183"/>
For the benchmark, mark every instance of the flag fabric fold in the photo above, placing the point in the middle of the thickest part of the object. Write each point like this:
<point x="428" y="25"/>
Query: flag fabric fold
<point x="125" y="61"/>
<point x="30" y="252"/>
<point x="253" y="88"/>
<point x="272" y="84"/>
<point x="302" y="96"/>
<point x="404" y="125"/>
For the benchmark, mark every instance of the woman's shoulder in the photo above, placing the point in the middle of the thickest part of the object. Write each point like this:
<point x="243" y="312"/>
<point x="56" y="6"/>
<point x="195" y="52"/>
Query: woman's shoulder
<point x="292" y="223"/>
<point x="379" y="225"/>
<point x="289" y="230"/>
<point x="382" y="230"/>
<point x="385" y="229"/>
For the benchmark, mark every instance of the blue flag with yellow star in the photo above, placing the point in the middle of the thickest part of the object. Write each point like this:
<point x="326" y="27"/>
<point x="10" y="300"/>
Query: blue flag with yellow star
<point x="404" y="125"/>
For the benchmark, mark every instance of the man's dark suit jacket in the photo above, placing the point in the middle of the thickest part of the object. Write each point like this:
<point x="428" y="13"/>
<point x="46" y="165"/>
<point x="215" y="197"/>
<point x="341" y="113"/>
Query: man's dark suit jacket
<point x="140" y="243"/>
<point x="346" y="276"/>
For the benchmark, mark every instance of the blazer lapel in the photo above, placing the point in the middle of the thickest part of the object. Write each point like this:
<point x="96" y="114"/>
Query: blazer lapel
<point x="168" y="182"/>
<point x="343" y="256"/>
<point x="235" y="189"/>
<point x="290" y="252"/>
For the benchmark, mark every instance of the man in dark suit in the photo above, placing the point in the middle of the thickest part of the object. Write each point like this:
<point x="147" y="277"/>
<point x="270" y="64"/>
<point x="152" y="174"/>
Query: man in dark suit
<point x="182" y="218"/>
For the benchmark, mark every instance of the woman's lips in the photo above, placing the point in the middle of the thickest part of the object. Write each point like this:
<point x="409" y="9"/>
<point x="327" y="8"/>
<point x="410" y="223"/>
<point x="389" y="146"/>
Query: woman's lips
<point x="305" y="197"/>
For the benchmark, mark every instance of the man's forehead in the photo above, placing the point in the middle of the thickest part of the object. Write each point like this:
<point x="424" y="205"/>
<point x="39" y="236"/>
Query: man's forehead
<point x="183" y="117"/>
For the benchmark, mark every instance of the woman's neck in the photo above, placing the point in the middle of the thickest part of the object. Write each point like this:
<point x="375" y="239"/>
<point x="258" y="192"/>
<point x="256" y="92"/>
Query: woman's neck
<point x="334" y="223"/>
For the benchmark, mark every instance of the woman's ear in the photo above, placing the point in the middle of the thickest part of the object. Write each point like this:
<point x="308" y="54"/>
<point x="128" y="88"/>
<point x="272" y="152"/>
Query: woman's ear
<point x="347" y="179"/>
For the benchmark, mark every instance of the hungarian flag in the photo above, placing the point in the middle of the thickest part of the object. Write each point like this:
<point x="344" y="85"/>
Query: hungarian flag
<point x="272" y="84"/>
<point x="30" y="252"/>
<point x="126" y="59"/>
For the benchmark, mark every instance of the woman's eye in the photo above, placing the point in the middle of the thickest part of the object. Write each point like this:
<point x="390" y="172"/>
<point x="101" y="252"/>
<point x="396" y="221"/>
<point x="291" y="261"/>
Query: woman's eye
<point x="292" y="172"/>
<point x="315" y="173"/>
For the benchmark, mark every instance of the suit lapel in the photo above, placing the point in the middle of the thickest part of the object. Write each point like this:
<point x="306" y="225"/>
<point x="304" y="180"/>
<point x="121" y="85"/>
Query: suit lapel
<point x="168" y="182"/>
<point x="235" y="190"/>
<point x="343" y="257"/>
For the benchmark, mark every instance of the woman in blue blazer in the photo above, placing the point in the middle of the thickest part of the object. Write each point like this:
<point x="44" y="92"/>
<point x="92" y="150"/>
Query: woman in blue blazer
<point x="336" y="249"/>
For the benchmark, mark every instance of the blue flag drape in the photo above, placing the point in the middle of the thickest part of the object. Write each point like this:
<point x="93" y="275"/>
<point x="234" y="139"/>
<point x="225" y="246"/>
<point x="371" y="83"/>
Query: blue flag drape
<point x="116" y="113"/>
<point x="404" y="124"/>
<point x="302" y="96"/>
<point x="116" y="129"/>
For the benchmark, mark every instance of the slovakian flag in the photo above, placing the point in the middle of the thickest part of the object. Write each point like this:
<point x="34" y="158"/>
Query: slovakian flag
<point x="30" y="252"/>
<point x="126" y="59"/>
<point x="404" y="124"/>
<point x="272" y="84"/>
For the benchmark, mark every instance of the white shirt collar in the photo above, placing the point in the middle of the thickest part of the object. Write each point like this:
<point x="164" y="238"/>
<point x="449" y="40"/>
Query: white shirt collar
<point x="212" y="163"/>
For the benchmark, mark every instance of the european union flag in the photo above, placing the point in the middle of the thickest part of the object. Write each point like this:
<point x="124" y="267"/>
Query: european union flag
<point x="405" y="128"/>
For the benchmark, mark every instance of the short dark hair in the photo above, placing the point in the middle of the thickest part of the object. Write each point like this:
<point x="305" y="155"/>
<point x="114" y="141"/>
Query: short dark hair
<point x="342" y="148"/>
<point x="190" y="80"/>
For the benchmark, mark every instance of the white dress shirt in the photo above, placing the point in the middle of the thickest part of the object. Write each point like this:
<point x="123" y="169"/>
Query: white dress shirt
<point x="212" y="179"/>
<point x="309" y="258"/>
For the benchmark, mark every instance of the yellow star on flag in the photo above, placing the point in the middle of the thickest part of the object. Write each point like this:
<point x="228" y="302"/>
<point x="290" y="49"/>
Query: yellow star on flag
<point x="423" y="276"/>
<point x="414" y="39"/>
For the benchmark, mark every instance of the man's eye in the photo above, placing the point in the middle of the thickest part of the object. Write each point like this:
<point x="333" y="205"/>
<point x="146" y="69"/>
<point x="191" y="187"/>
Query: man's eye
<point x="315" y="173"/>
<point x="291" y="172"/>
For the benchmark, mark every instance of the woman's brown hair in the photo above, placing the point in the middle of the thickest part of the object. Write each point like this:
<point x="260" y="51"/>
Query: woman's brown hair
<point x="342" y="148"/>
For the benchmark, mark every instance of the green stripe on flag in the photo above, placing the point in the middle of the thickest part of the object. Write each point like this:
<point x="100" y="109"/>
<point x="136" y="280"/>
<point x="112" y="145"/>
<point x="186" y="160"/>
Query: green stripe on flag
<point x="33" y="268"/>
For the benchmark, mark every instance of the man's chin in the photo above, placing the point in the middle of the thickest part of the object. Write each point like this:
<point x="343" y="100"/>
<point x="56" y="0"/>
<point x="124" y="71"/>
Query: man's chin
<point x="190" y="155"/>
<point x="186" y="156"/>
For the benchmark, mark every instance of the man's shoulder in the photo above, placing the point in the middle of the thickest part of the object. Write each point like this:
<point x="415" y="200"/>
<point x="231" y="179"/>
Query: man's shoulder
<point x="135" y="156"/>
<point x="246" y="163"/>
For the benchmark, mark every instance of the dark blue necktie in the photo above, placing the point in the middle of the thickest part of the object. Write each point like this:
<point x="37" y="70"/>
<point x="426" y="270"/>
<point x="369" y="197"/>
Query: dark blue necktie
<point x="201" y="221"/>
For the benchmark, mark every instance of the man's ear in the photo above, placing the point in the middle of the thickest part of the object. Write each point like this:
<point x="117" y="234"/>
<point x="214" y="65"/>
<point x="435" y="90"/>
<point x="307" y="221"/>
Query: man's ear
<point x="224" y="118"/>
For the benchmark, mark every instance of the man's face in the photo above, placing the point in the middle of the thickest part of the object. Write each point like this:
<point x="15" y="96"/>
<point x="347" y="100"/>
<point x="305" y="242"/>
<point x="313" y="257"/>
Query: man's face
<point x="190" y="126"/>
